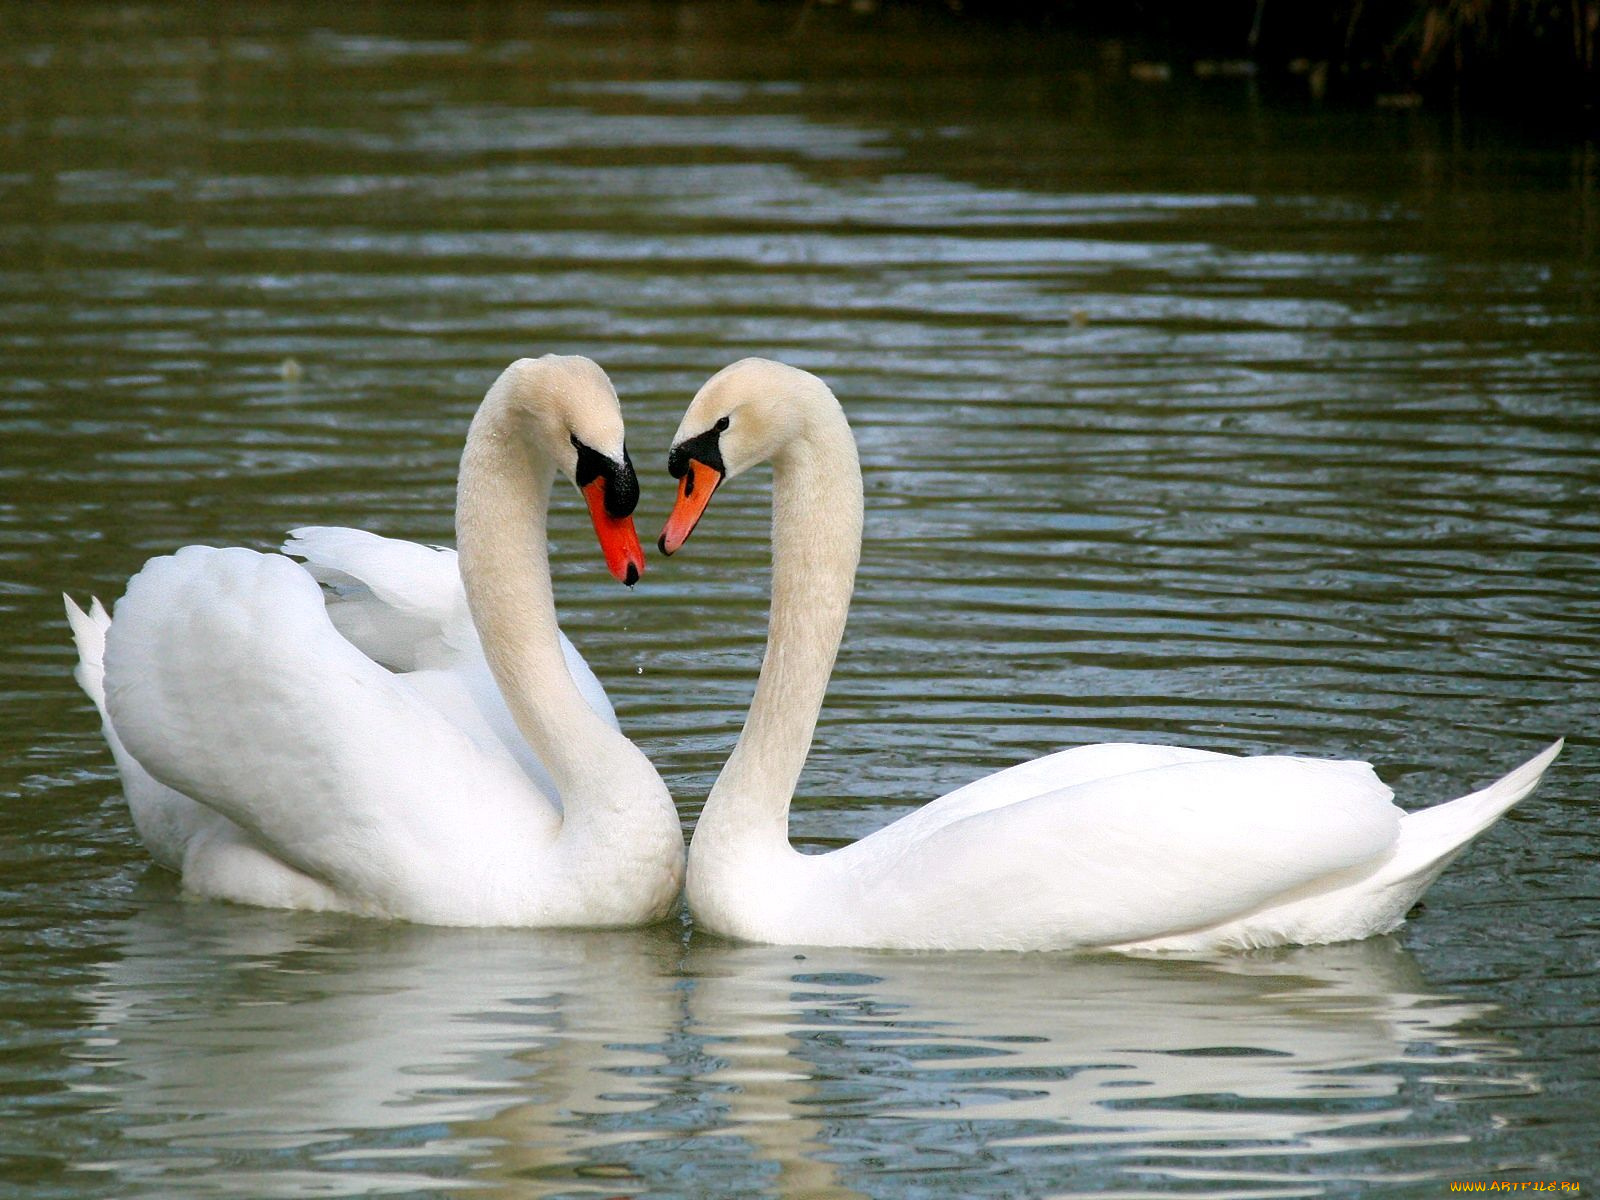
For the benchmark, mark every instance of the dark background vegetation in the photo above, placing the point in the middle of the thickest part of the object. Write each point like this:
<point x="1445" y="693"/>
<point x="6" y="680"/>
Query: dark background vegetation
<point x="1524" y="58"/>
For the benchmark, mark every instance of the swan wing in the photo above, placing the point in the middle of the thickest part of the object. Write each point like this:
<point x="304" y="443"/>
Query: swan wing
<point x="227" y="682"/>
<point x="402" y="604"/>
<point x="1126" y="857"/>
<point x="1052" y="773"/>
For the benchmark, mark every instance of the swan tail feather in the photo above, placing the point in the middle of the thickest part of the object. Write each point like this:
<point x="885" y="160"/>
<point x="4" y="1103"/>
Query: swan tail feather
<point x="164" y="819"/>
<point x="1360" y="904"/>
<point x="1430" y="840"/>
<point x="89" y="635"/>
<point x="1432" y="837"/>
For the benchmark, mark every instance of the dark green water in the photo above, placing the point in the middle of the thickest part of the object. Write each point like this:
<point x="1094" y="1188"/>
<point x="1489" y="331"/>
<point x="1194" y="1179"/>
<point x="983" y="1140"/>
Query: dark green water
<point x="1185" y="417"/>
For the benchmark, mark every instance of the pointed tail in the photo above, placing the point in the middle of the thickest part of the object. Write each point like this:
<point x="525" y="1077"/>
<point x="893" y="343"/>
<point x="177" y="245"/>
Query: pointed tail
<point x="89" y="633"/>
<point x="1431" y="838"/>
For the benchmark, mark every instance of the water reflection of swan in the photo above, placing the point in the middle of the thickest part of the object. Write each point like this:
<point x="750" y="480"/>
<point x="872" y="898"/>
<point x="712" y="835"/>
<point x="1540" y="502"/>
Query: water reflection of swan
<point x="1302" y="1051"/>
<point x="261" y="1054"/>
<point x="226" y="1036"/>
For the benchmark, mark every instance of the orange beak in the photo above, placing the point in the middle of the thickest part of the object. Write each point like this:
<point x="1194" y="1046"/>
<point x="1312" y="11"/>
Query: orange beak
<point x="618" y="539"/>
<point x="694" y="493"/>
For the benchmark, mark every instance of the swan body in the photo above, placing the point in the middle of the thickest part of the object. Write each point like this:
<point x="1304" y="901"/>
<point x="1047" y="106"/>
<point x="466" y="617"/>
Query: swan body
<point x="422" y="743"/>
<point x="1120" y="846"/>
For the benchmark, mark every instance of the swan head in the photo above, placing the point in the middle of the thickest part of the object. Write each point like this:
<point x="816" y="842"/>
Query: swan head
<point x="745" y="414"/>
<point x="564" y="406"/>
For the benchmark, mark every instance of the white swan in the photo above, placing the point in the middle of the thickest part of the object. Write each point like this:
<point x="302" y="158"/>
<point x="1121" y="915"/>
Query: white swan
<point x="1111" y="846"/>
<point x="380" y="752"/>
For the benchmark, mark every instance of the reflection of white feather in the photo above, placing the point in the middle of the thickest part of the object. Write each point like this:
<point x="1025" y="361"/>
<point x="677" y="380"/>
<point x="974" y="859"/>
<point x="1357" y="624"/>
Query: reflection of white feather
<point x="226" y="1033"/>
<point x="225" y="1039"/>
<point x="1106" y="1049"/>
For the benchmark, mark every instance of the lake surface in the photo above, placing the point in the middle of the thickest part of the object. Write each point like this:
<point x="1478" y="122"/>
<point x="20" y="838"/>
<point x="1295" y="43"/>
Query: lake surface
<point x="1187" y="414"/>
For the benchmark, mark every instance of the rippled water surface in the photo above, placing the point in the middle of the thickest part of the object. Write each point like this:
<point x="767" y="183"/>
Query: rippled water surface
<point x="1187" y="415"/>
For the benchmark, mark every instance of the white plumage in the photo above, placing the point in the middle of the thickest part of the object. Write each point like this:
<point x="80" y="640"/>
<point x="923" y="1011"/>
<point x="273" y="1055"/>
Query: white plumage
<point x="386" y="747"/>
<point x="1113" y="846"/>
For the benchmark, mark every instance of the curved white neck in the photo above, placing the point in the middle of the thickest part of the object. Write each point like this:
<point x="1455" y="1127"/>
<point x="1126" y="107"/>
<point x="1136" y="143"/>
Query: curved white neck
<point x="816" y="544"/>
<point x="502" y="502"/>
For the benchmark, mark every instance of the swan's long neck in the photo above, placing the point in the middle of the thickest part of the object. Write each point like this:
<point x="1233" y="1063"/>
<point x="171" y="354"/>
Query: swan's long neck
<point x="502" y="502"/>
<point x="816" y="544"/>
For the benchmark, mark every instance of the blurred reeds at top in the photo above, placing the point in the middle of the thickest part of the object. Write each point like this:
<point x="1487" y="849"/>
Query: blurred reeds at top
<point x="1519" y="58"/>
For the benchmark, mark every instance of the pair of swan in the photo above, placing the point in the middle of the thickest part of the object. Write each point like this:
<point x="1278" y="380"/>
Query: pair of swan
<point x="387" y="729"/>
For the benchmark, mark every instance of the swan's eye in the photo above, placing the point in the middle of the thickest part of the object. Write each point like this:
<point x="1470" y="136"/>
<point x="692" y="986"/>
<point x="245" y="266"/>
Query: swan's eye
<point x="702" y="447"/>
